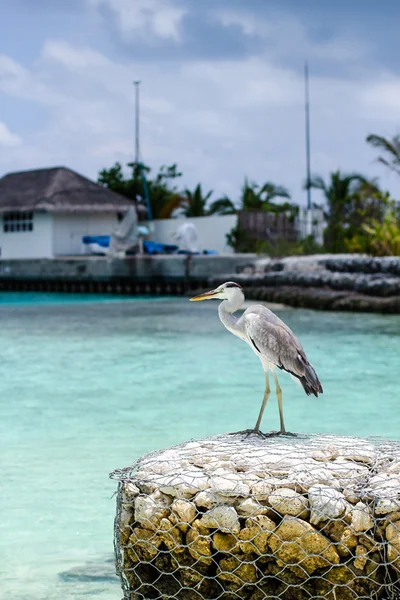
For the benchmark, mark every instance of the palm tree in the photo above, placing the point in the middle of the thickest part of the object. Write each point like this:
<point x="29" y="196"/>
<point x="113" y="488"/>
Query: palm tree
<point x="222" y="206"/>
<point x="255" y="197"/>
<point x="194" y="203"/>
<point x="345" y="196"/>
<point x="390" y="147"/>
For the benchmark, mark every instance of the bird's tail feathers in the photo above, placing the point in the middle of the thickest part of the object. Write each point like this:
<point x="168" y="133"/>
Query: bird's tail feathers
<point x="310" y="382"/>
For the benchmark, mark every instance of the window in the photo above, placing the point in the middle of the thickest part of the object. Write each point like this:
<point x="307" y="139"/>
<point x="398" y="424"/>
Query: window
<point x="17" y="221"/>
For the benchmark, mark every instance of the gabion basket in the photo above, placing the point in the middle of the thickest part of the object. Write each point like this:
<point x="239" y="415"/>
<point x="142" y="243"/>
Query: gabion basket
<point x="241" y="517"/>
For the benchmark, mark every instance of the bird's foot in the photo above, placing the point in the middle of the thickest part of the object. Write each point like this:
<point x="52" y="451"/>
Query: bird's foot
<point x="257" y="432"/>
<point x="281" y="432"/>
<point x="247" y="432"/>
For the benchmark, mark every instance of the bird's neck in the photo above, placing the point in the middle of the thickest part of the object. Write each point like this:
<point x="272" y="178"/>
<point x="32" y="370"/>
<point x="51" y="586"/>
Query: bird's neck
<point x="225" y="310"/>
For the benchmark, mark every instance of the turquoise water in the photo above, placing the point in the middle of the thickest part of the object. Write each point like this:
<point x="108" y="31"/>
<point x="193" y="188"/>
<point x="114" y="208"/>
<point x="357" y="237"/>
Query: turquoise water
<point x="89" y="383"/>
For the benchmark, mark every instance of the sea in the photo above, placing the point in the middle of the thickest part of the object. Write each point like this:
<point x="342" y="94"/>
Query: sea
<point x="90" y="383"/>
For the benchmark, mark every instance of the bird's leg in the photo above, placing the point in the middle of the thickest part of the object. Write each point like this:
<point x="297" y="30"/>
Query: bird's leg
<point x="279" y="396"/>
<point x="264" y="403"/>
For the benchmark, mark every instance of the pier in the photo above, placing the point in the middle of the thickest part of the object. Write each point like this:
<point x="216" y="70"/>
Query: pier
<point x="132" y="275"/>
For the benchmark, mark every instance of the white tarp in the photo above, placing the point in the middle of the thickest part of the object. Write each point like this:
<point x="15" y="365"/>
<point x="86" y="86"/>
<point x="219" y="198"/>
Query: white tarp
<point x="125" y="234"/>
<point x="187" y="237"/>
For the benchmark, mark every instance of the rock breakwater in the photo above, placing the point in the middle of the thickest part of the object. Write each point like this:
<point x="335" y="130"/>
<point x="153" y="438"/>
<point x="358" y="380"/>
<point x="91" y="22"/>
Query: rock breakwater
<point x="335" y="282"/>
<point x="244" y="517"/>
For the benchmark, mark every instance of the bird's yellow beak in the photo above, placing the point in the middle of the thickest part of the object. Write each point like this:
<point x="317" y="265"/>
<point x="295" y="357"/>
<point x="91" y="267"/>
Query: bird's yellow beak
<point x="206" y="296"/>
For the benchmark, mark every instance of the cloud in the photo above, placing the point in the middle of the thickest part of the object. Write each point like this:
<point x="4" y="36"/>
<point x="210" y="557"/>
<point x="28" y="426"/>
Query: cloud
<point x="287" y="37"/>
<point x="146" y="19"/>
<point x="7" y="138"/>
<point x="218" y="119"/>
<point x="381" y="99"/>
<point x="18" y="81"/>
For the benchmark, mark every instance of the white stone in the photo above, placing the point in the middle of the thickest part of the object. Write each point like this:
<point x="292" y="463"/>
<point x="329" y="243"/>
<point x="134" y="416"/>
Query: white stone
<point x="288" y="502"/>
<point x="149" y="510"/>
<point x="163" y="467"/>
<point x="228" y="484"/>
<point x="129" y="493"/>
<point x="205" y="499"/>
<point x="326" y="454"/>
<point x="361" y="519"/>
<point x="385" y="485"/>
<point x="261" y="490"/>
<point x="192" y="445"/>
<point x="363" y="453"/>
<point x="223" y="518"/>
<point x="385" y="506"/>
<point x="346" y="472"/>
<point x="186" y="511"/>
<point x="125" y="517"/>
<point x="145" y="485"/>
<point x="305" y="478"/>
<point x="251" y="508"/>
<point x="185" y="484"/>
<point x="325" y="503"/>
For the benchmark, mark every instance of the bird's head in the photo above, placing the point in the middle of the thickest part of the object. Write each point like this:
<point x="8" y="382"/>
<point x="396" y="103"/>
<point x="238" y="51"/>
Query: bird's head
<point x="226" y="291"/>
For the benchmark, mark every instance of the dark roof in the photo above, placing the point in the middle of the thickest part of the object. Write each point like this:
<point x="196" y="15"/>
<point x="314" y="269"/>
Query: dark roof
<point x="56" y="190"/>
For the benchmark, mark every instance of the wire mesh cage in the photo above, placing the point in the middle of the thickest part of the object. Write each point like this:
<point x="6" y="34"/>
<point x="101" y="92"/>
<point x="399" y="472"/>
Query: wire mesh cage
<point x="241" y="517"/>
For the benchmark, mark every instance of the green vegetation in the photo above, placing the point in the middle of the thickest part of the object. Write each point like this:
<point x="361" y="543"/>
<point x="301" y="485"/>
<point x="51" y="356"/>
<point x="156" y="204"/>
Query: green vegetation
<point x="359" y="216"/>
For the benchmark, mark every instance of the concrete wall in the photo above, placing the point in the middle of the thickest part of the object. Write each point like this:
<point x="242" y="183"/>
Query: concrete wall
<point x="133" y="268"/>
<point x="212" y="231"/>
<point x="28" y="244"/>
<point x="68" y="230"/>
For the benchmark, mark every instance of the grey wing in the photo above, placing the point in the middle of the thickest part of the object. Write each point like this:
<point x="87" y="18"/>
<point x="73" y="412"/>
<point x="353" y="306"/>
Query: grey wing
<point x="273" y="340"/>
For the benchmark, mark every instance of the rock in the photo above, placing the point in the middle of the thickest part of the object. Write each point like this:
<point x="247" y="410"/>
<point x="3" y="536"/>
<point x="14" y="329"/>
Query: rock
<point x="205" y="499"/>
<point x="127" y="518"/>
<point x="171" y="536"/>
<point x="348" y="474"/>
<point x="393" y="537"/>
<point x="144" y="485"/>
<point x="334" y="529"/>
<point x="145" y="544"/>
<point x="229" y="484"/>
<point x="361" y="557"/>
<point x="304" y="478"/>
<point x="225" y="542"/>
<point x="339" y="575"/>
<point x="198" y="540"/>
<point x="384" y="486"/>
<point x="326" y="503"/>
<point x="261" y="490"/>
<point x="253" y="538"/>
<point x="348" y="542"/>
<point x="368" y="541"/>
<point x="185" y="511"/>
<point x="185" y="485"/>
<point x="224" y="518"/>
<point x="289" y="502"/>
<point x="129" y="493"/>
<point x="236" y="573"/>
<point x="250" y="508"/>
<point x="149" y="510"/>
<point x="298" y="544"/>
<point x="361" y="518"/>
<point x="236" y="516"/>
<point x="386" y="505"/>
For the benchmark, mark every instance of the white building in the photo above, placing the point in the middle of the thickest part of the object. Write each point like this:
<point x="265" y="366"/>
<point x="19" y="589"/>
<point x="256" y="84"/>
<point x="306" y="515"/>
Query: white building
<point x="44" y="213"/>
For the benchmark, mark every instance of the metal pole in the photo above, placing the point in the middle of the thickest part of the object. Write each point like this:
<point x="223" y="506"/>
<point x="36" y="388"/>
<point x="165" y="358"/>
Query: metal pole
<point x="137" y="155"/>
<point x="307" y="106"/>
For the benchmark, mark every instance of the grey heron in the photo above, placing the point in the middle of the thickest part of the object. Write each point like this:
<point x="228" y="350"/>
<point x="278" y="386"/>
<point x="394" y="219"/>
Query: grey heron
<point x="270" y="338"/>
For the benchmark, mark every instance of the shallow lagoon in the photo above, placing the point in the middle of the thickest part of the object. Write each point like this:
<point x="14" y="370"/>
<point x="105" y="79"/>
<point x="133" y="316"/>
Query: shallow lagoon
<point x="90" y="383"/>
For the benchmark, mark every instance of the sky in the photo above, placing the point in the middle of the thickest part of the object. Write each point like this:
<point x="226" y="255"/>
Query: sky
<point x="222" y="90"/>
